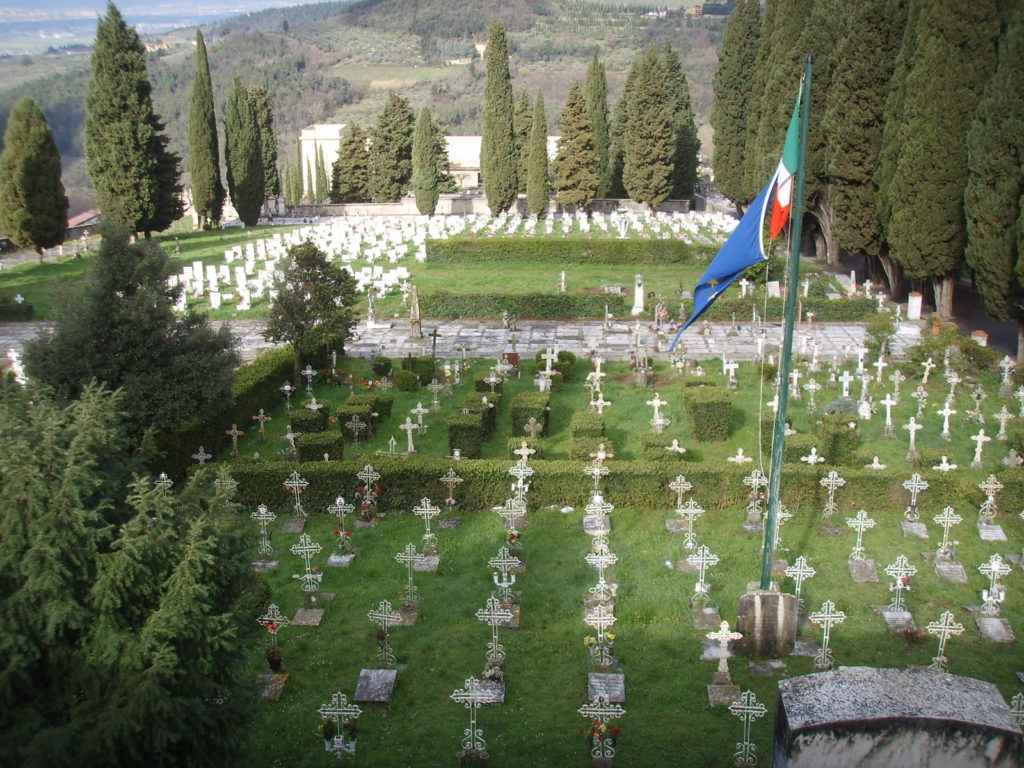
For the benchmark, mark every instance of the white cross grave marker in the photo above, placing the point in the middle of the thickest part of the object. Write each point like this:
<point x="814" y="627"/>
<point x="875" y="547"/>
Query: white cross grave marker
<point x="826" y="618"/>
<point x="944" y="628"/>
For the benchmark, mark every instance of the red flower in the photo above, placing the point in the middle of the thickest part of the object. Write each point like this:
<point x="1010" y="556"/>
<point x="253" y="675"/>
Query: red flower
<point x="337" y="533"/>
<point x="377" y="490"/>
<point x="272" y="628"/>
<point x="347" y="533"/>
<point x="315" y="569"/>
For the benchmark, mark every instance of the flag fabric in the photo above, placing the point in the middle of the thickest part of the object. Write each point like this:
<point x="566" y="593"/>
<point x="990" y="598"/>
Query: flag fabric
<point x="745" y="246"/>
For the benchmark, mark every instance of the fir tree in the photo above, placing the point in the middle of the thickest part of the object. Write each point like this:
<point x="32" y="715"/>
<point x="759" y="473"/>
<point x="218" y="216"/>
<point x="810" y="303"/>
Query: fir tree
<point x="994" y="194"/>
<point x="263" y="107"/>
<point x="574" y="168"/>
<point x="425" y="171"/>
<point x="649" y="139"/>
<point x="350" y="175"/>
<point x="243" y="155"/>
<point x="732" y="95"/>
<point x="203" y="149"/>
<point x="537" y="184"/>
<point x="391" y="151"/>
<point x="499" y="155"/>
<point x="33" y="206"/>
<point x="595" y="92"/>
<point x="521" y="126"/>
<point x="684" y="156"/>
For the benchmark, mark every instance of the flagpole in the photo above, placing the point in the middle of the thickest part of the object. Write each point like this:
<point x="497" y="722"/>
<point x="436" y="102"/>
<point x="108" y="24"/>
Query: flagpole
<point x="775" y="472"/>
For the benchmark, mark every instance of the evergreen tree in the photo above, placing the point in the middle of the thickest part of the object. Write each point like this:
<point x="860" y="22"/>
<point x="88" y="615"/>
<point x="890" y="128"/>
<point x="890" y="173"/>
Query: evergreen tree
<point x="499" y="155"/>
<point x="323" y="187"/>
<point x="310" y="190"/>
<point x="425" y="171"/>
<point x="350" y="175"/>
<point x="167" y="203"/>
<point x="684" y="157"/>
<point x="954" y="59"/>
<point x="203" y="149"/>
<point x="595" y="92"/>
<point x="732" y="96"/>
<point x="296" y="181"/>
<point x="649" y="139"/>
<point x="391" y="151"/>
<point x="263" y="107"/>
<point x="33" y="206"/>
<point x="994" y="193"/>
<point x="129" y="166"/>
<point x="537" y="185"/>
<point x="243" y="155"/>
<point x="521" y="126"/>
<point x="446" y="183"/>
<point x="617" y="138"/>
<point x="574" y="167"/>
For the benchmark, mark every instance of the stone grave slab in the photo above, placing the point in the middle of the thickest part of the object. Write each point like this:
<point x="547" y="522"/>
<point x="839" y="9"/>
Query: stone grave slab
<point x="590" y="603"/>
<point x="706" y="618"/>
<point x="768" y="668"/>
<point x="497" y="689"/>
<point x="711" y="650"/>
<point x="514" y="609"/>
<point x="325" y="597"/>
<point x="685" y="566"/>
<point x="340" y="561"/>
<point x="914" y="530"/>
<point x="597" y="525"/>
<point x="293" y="525"/>
<point x="991" y="532"/>
<point x="308" y="617"/>
<point x="375" y="685"/>
<point x="427" y="564"/>
<point x="675" y="525"/>
<point x="806" y="646"/>
<point x="995" y="629"/>
<point x="896" y="621"/>
<point x="523" y="523"/>
<point x="949" y="570"/>
<point x="272" y="685"/>
<point x="449" y="523"/>
<point x="753" y="527"/>
<point x="609" y="685"/>
<point x="863" y="571"/>
<point x="779" y="568"/>
<point x="723" y="695"/>
<point x="408" y="614"/>
<point x="833" y="530"/>
<point x="366" y="524"/>
<point x="262" y="566"/>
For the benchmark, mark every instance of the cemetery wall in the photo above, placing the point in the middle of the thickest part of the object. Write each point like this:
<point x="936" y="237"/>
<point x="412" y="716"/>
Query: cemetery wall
<point x="461" y="205"/>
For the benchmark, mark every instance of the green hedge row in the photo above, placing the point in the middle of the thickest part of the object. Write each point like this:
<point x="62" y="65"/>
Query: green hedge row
<point x="515" y="443"/>
<point x="313" y="446"/>
<point x="655" y="448"/>
<point x="710" y="412"/>
<point x="561" y="250"/>
<point x="826" y="310"/>
<point x="538" y="306"/>
<point x="565" y="364"/>
<point x="526" y="406"/>
<point x="307" y="422"/>
<point x="480" y="385"/>
<point x="13" y="312"/>
<point x="422" y="366"/>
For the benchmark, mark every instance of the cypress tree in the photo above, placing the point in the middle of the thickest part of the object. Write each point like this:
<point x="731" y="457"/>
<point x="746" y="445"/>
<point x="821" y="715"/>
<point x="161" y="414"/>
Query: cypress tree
<point x="994" y="191"/>
<point x="499" y="156"/>
<point x="323" y="187"/>
<point x="595" y="92"/>
<point x="537" y="185"/>
<point x="243" y="155"/>
<point x="167" y="203"/>
<point x="264" y="109"/>
<point x="446" y="183"/>
<point x="575" y="176"/>
<point x="955" y="58"/>
<point x="521" y="120"/>
<point x="617" y="138"/>
<point x="391" y="151"/>
<point x="33" y="206"/>
<point x="309" y="192"/>
<point x="684" y="157"/>
<point x="730" y="105"/>
<point x="203" y="149"/>
<point x="425" y="170"/>
<point x="649" y="140"/>
<point x="350" y="175"/>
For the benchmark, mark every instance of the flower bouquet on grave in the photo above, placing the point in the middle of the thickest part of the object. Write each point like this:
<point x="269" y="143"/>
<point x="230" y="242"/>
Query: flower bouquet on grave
<point x="514" y="544"/>
<point x="328" y="729"/>
<point x="601" y="738"/>
<point x="494" y="670"/>
<point x="343" y="541"/>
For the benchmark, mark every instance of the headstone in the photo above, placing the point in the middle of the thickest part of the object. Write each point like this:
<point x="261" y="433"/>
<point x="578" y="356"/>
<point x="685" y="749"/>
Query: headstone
<point x="375" y="686"/>
<point x="609" y="685"/>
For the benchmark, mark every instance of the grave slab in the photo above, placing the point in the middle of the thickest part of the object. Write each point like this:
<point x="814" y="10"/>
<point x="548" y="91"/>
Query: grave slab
<point x="366" y="524"/>
<point x="513" y="622"/>
<point x="449" y="523"/>
<point x="685" y="566"/>
<point x="609" y="685"/>
<point x="408" y="614"/>
<point x="427" y="564"/>
<point x="375" y="685"/>
<point x="706" y="618"/>
<point x="497" y="689"/>
<point x="753" y="527"/>
<point x="991" y="532"/>
<point x="914" y="530"/>
<point x="863" y="571"/>
<point x="768" y="668"/>
<point x="597" y="525"/>
<point x="675" y="526"/>
<point x="896" y="621"/>
<point x="262" y="566"/>
<point x="806" y="646"/>
<point x="272" y="685"/>
<point x="308" y="617"/>
<point x="590" y="603"/>
<point x="723" y="695"/>
<point x="293" y="525"/>
<point x="832" y="530"/>
<point x="995" y="629"/>
<point x="949" y="570"/>
<point x="340" y="561"/>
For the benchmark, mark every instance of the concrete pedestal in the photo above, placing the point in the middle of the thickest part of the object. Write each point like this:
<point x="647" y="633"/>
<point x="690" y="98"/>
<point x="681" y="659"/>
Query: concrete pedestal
<point x="768" y="623"/>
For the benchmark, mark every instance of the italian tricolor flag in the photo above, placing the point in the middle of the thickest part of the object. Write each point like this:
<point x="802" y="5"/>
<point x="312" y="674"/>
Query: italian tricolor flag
<point x="782" y="199"/>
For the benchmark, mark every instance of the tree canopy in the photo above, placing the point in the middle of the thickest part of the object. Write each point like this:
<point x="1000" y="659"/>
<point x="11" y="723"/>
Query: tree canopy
<point x="350" y="174"/>
<point x="574" y="167"/>
<point x="499" y="155"/>
<point x="391" y="151"/>
<point x="243" y="155"/>
<point x="203" y="145"/>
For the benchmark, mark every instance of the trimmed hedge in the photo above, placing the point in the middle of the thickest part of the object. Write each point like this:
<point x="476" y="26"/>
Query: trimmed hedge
<point x="586" y="424"/>
<point x="825" y="310"/>
<point x="567" y="250"/>
<point x="837" y="441"/>
<point x="489" y="415"/>
<point x="313" y="446"/>
<point x="306" y="421"/>
<point x="479" y="385"/>
<point x="421" y="366"/>
<point x="539" y="306"/>
<point x="466" y="432"/>
<point x="363" y="410"/>
<point x="797" y="446"/>
<point x="13" y="312"/>
<point x="655" y="448"/>
<point x="581" y="446"/>
<point x="379" y="402"/>
<point x="527" y="405"/>
<point x="565" y="364"/>
<point x="515" y="443"/>
<point x="710" y="412"/>
<point x="406" y="381"/>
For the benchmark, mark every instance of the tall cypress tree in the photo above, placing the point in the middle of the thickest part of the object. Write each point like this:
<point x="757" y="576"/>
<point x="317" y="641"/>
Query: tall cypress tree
<point x="391" y="151"/>
<point x="499" y="156"/>
<point x="537" y="184"/>
<point x="323" y="186"/>
<point x="33" y="206"/>
<point x="263" y="107"/>
<point x="617" y="138"/>
<point x="425" y="170"/>
<point x="203" y="149"/>
<point x="575" y="175"/>
<point x="732" y="95"/>
<point x="521" y="121"/>
<point x="446" y="183"/>
<point x="649" y="145"/>
<point x="994" y="193"/>
<point x="350" y="175"/>
<point x="243" y="155"/>
<point x="955" y="58"/>
<point x="684" y="157"/>
<point x="595" y="92"/>
<point x="167" y="203"/>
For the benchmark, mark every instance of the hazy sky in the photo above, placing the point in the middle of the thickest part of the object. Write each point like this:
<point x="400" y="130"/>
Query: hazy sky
<point x="29" y="10"/>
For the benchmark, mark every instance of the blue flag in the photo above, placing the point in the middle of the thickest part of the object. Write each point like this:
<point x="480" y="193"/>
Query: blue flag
<point x="743" y="249"/>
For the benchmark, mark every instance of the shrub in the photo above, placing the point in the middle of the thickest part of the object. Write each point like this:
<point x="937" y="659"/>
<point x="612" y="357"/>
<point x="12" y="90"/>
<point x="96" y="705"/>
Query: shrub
<point x="488" y="413"/>
<point x="586" y="424"/>
<point x="406" y="381"/>
<point x="313" y="446"/>
<point x="565" y="364"/>
<point x="306" y="421"/>
<point x="844" y="406"/>
<point x="379" y="402"/>
<point x="581" y="446"/>
<point x="349" y="410"/>
<point x="13" y="312"/>
<point x="655" y="448"/>
<point x="838" y="441"/>
<point x="515" y="443"/>
<point x="466" y="432"/>
<point x="879" y="332"/>
<point x="710" y="412"/>
<point x="421" y="366"/>
<point x="381" y="366"/>
<point x="480" y="385"/>
<point x="527" y="405"/>
<point x="769" y="371"/>
<point x="795" y="447"/>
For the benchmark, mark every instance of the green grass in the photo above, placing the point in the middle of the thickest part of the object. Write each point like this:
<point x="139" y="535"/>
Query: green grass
<point x="390" y="76"/>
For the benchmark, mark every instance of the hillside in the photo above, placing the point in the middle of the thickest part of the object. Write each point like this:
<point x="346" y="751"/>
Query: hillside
<point x="335" y="62"/>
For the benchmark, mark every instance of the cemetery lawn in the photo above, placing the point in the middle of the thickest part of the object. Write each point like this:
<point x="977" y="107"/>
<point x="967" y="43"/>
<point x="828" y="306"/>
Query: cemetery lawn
<point x="668" y="722"/>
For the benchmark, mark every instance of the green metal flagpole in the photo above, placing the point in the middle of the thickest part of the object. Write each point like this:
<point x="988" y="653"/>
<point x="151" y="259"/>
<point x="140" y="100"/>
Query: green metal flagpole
<point x="775" y="473"/>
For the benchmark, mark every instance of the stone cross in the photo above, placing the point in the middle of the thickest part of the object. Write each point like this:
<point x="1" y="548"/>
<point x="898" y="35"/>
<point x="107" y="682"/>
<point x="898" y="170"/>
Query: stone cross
<point x="1003" y="417"/>
<point x="262" y="419"/>
<point x="600" y="404"/>
<point x="945" y="413"/>
<point x="897" y="378"/>
<point x="492" y="380"/>
<point x="533" y="428"/>
<point x="860" y="523"/>
<point x="826" y="618"/>
<point x="291" y="436"/>
<point x="598" y="711"/>
<point x="944" y="465"/>
<point x="314" y="406"/>
<point x="340" y="712"/>
<point x="474" y="696"/>
<point x="846" y="379"/>
<point x="901" y="571"/>
<point x="747" y="709"/>
<point x="739" y="458"/>
<point x="435" y="386"/>
<point x="505" y="564"/>
<point x="202" y="456"/>
<point x="549" y="356"/>
<point x="993" y="570"/>
<point x="979" y="441"/>
<point x="953" y="378"/>
<point x="600" y="618"/>
<point x="927" y="365"/>
<point x="947" y="520"/>
<point x="888" y="402"/>
<point x="410" y="558"/>
<point x="702" y="560"/>
<point x="305" y="549"/>
<point x="1007" y="365"/>
<point x="813" y="458"/>
<point x="944" y="629"/>
<point x="409" y="428"/>
<point x="234" y="433"/>
<point x="730" y="369"/>
<point x="723" y="637"/>
<point x="879" y="365"/>
<point x="264" y="517"/>
<point x="912" y="427"/>
<point x="273" y="620"/>
<point x="494" y="615"/>
<point x="601" y="454"/>
<point x="385" y="618"/>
